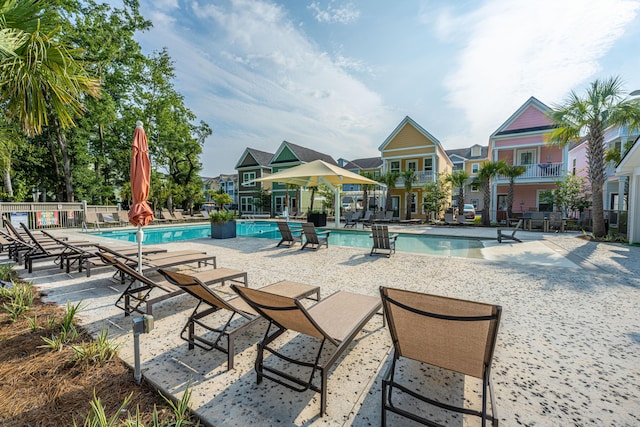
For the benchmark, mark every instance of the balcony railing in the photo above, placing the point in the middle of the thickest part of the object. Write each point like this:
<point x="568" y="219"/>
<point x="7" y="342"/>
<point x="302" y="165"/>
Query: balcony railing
<point x="421" y="178"/>
<point x="540" y="171"/>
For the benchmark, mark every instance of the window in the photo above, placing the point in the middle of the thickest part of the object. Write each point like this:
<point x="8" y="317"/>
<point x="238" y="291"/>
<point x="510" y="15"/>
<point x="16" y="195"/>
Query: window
<point x="246" y="204"/>
<point x="394" y="166"/>
<point x="428" y="164"/>
<point x="412" y="165"/>
<point x="474" y="188"/>
<point x="412" y="201"/>
<point x="475" y="203"/>
<point x="526" y="157"/>
<point x="573" y="167"/>
<point x="458" y="167"/>
<point x="279" y="204"/>
<point x="248" y="176"/>
<point x="475" y="167"/>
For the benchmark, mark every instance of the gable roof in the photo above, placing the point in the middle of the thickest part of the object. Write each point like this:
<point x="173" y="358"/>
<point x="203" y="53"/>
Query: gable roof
<point x="262" y="158"/>
<point x="465" y="153"/>
<point x="368" y="163"/>
<point x="631" y="159"/>
<point x="303" y="154"/>
<point x="531" y="102"/>
<point x="410" y="121"/>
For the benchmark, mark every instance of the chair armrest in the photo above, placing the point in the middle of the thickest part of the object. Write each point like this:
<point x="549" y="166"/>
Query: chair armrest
<point x="323" y="232"/>
<point x="394" y="236"/>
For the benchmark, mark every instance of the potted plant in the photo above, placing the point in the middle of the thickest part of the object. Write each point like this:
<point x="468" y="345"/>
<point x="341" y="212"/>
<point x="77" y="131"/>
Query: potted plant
<point x="319" y="219"/>
<point x="223" y="223"/>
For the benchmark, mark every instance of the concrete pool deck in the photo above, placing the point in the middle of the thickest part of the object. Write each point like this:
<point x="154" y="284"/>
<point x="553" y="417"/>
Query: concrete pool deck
<point x="568" y="350"/>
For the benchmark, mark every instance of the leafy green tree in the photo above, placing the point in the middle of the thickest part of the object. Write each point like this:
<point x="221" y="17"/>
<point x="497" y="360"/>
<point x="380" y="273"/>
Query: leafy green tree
<point x="512" y="172"/>
<point x="44" y="83"/>
<point x="436" y="197"/>
<point x="487" y="172"/>
<point x="410" y="178"/>
<point x="458" y="179"/>
<point x="263" y="200"/>
<point x="589" y="116"/>
<point x="389" y="179"/>
<point x="572" y="194"/>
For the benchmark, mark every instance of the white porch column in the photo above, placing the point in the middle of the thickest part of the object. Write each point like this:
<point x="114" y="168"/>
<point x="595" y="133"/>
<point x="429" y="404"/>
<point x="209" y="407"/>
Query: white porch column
<point x="621" y="185"/>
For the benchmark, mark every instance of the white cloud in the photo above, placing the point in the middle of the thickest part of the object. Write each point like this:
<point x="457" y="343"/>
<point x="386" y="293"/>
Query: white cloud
<point x="257" y="80"/>
<point x="342" y="14"/>
<point x="518" y="49"/>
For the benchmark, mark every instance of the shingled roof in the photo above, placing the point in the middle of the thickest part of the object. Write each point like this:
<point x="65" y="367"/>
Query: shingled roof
<point x="307" y="155"/>
<point x="262" y="157"/>
<point x="368" y="163"/>
<point x="465" y="153"/>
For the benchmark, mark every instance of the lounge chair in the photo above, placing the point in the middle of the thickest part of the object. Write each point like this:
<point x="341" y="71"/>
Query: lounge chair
<point x="46" y="250"/>
<point x="140" y="286"/>
<point x="153" y="262"/>
<point x="180" y="217"/>
<point x="387" y="217"/>
<point x="503" y="234"/>
<point x="448" y="333"/>
<point x="334" y="322"/>
<point x="214" y="302"/>
<point x="367" y="219"/>
<point x="288" y="236"/>
<point x="555" y="222"/>
<point x="91" y="218"/>
<point x="314" y="238"/>
<point x="205" y="214"/>
<point x="382" y="241"/>
<point x="166" y="215"/>
<point x="352" y="218"/>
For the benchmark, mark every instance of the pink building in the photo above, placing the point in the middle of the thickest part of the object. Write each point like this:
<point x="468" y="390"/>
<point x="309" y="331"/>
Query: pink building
<point x="521" y="141"/>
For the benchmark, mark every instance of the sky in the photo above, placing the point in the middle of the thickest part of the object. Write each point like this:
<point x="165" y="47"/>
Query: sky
<point x="338" y="76"/>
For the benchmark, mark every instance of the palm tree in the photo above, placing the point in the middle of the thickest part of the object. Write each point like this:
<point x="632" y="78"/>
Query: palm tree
<point x="512" y="172"/>
<point x="365" y="190"/>
<point x="600" y="108"/>
<point x="389" y="179"/>
<point x="42" y="81"/>
<point x="458" y="179"/>
<point x="486" y="173"/>
<point x="409" y="179"/>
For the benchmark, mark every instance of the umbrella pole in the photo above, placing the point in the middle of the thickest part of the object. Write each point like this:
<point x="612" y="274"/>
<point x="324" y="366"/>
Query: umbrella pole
<point x="139" y="238"/>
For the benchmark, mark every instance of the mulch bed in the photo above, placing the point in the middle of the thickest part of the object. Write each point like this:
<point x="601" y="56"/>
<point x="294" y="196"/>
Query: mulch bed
<point x="43" y="387"/>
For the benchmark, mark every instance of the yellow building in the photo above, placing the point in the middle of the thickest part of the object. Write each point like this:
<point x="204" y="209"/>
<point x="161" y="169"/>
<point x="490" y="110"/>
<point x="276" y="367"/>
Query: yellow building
<point x="411" y="147"/>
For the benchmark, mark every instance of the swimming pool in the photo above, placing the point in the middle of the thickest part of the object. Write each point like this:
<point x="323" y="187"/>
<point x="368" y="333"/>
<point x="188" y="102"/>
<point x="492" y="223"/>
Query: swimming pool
<point x="435" y="245"/>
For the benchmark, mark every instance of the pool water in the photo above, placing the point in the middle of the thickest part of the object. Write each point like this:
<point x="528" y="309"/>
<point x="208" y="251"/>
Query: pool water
<point x="435" y="245"/>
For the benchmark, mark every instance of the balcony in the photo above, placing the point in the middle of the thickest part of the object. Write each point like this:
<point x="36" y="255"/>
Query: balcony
<point x="539" y="172"/>
<point x="421" y="178"/>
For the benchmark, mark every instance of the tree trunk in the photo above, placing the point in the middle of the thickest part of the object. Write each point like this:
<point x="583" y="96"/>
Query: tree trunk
<point x="510" y="200"/>
<point x="461" y="201"/>
<point x="597" y="176"/>
<point x="387" y="202"/>
<point x="486" y="214"/>
<point x="409" y="198"/>
<point x="66" y="161"/>
<point x="7" y="183"/>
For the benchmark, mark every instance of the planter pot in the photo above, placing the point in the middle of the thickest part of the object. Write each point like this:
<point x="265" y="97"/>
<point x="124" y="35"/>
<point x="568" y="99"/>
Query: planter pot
<point x="318" y="219"/>
<point x="223" y="230"/>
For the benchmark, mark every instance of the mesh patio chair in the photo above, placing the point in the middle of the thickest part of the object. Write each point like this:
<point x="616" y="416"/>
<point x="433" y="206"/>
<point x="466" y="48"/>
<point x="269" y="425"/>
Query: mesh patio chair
<point x="210" y="301"/>
<point x="452" y="334"/>
<point x="334" y="322"/>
